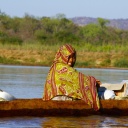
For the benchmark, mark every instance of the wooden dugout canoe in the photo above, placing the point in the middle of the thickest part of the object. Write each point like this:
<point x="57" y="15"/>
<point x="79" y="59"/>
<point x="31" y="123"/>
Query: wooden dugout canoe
<point x="40" y="108"/>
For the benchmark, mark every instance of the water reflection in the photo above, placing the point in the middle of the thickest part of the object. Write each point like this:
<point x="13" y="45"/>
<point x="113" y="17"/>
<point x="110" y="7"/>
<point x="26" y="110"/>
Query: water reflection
<point x="65" y="122"/>
<point x="71" y="122"/>
<point x="85" y="122"/>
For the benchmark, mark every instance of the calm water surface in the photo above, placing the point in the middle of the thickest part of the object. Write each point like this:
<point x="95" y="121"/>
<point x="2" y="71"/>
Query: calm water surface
<point x="28" y="82"/>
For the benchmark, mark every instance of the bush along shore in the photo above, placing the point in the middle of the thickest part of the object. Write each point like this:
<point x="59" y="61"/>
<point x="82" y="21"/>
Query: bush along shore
<point x="34" y="40"/>
<point x="88" y="56"/>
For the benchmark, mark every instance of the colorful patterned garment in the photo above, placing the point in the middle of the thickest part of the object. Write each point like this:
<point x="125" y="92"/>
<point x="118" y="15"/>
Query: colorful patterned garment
<point x="65" y="80"/>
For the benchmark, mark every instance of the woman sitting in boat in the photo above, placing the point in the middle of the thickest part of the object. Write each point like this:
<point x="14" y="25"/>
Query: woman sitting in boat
<point x="65" y="83"/>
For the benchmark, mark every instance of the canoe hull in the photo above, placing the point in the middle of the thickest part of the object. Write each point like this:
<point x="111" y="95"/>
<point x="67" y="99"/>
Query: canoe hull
<point x="40" y="108"/>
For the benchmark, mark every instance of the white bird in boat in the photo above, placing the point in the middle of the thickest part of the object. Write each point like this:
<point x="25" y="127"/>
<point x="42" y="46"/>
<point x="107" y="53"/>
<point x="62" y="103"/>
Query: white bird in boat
<point x="4" y="96"/>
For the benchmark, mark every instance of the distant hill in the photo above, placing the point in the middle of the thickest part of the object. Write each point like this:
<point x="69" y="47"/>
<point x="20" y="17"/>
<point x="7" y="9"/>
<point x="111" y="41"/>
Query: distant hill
<point x="116" y="23"/>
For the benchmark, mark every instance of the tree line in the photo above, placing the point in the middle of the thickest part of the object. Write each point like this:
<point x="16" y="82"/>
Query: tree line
<point x="58" y="29"/>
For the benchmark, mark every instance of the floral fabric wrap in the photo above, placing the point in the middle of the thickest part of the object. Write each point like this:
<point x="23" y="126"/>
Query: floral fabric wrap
<point x="65" y="80"/>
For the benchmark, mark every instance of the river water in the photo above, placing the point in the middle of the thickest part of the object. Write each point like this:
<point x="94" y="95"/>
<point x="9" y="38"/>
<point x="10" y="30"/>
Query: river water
<point x="28" y="82"/>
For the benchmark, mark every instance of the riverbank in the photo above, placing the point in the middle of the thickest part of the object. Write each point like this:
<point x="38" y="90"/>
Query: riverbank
<point x="44" y="55"/>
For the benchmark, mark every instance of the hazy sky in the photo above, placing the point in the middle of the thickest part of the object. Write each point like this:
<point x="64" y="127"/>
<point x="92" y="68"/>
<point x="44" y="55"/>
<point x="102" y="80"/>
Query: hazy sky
<point x="110" y="9"/>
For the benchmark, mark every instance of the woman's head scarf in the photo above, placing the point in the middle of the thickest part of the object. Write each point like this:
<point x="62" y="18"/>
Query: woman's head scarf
<point x="63" y="53"/>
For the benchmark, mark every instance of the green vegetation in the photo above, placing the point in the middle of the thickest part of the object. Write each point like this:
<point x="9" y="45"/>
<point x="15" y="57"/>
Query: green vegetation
<point x="122" y="62"/>
<point x="5" y="60"/>
<point x="33" y="41"/>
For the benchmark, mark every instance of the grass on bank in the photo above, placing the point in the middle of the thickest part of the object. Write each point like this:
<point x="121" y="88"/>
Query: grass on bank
<point x="87" y="55"/>
<point x="85" y="47"/>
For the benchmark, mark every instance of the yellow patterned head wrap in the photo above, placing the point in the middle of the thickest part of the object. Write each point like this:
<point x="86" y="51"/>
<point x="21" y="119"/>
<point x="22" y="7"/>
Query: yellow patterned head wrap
<point x="63" y="53"/>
